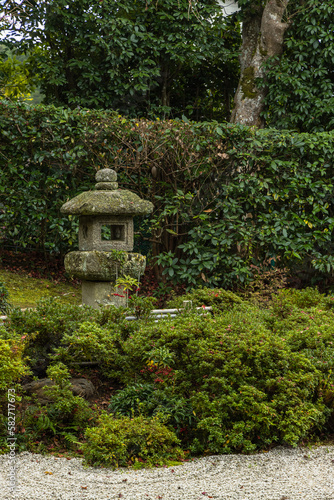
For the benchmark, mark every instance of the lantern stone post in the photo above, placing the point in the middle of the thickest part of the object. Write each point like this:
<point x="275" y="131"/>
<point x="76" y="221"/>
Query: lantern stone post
<point x="106" y="240"/>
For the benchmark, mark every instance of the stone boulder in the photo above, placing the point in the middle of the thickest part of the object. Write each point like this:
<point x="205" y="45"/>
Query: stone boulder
<point x="82" y="387"/>
<point x="79" y="386"/>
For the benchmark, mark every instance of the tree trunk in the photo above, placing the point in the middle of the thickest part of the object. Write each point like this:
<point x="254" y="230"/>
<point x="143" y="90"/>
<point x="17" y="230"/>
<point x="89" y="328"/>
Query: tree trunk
<point x="165" y="87"/>
<point x="262" y="37"/>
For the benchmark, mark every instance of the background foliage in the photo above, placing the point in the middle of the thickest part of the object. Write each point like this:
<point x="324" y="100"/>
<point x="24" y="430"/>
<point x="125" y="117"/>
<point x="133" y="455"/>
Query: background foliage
<point x="15" y="83"/>
<point x="143" y="58"/>
<point x="301" y="83"/>
<point x="116" y="55"/>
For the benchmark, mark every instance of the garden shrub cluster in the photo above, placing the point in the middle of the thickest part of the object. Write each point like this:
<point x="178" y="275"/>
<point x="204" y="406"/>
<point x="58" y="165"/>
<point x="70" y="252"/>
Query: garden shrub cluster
<point x="42" y="329"/>
<point x="51" y="324"/>
<point x="227" y="198"/>
<point x="59" y="422"/>
<point x="240" y="379"/>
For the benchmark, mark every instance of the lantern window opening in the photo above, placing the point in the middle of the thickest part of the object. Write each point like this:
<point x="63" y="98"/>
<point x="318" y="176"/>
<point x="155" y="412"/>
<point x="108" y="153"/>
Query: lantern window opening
<point x="112" y="232"/>
<point x="85" y="231"/>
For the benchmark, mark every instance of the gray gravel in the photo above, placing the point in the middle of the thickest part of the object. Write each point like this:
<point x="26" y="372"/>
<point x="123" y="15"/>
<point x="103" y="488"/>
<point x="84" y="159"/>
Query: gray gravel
<point x="281" y="474"/>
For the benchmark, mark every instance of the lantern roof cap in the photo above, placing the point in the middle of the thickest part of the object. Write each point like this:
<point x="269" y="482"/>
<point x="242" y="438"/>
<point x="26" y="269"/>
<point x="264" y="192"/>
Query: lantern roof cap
<point x="107" y="199"/>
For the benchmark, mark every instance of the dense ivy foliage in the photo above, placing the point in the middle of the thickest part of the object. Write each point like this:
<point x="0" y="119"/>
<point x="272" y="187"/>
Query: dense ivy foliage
<point x="276" y="209"/>
<point x="301" y="83"/>
<point x="226" y="197"/>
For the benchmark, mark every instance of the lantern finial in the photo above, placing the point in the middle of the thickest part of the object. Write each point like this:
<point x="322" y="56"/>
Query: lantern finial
<point x="106" y="180"/>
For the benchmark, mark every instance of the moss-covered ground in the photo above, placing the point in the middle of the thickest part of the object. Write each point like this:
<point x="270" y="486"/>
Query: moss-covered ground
<point x="26" y="291"/>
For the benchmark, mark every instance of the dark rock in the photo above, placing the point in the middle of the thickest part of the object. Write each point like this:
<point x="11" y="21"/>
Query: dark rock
<point x="79" y="386"/>
<point x="82" y="387"/>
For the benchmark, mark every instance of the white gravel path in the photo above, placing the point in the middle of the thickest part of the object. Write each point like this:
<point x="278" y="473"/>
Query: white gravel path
<point x="281" y="474"/>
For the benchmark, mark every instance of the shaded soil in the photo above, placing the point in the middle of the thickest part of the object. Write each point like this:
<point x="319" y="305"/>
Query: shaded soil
<point x="35" y="265"/>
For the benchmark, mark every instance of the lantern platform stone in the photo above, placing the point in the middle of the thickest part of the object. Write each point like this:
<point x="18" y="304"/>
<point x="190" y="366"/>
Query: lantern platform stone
<point x="106" y="239"/>
<point x="104" y="266"/>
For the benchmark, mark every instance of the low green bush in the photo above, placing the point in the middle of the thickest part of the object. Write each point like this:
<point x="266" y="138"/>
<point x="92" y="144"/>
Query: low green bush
<point x="221" y="300"/>
<point x="125" y="441"/>
<point x="96" y="340"/>
<point x="63" y="417"/>
<point x="43" y="328"/>
<point x="12" y="368"/>
<point x="65" y="406"/>
<point x="285" y="301"/>
<point x="90" y="342"/>
<point x="12" y="363"/>
<point x="68" y="333"/>
<point x="142" y="306"/>
<point x="149" y="400"/>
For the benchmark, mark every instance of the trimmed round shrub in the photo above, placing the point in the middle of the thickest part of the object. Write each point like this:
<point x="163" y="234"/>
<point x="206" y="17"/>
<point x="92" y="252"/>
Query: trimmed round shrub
<point x="125" y="441"/>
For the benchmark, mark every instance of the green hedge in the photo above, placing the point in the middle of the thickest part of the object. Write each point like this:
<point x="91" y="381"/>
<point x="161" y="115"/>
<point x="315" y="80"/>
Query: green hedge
<point x="226" y="197"/>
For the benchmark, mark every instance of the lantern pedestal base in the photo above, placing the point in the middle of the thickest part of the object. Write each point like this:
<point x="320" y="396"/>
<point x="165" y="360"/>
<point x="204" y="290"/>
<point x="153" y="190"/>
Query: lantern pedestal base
<point x="102" y="293"/>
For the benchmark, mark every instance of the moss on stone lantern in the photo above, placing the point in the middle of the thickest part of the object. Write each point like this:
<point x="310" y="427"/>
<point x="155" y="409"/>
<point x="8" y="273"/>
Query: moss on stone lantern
<point x="105" y="239"/>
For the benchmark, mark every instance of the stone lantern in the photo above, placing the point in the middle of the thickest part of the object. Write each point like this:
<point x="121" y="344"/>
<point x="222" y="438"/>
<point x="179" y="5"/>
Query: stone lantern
<point x="105" y="239"/>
